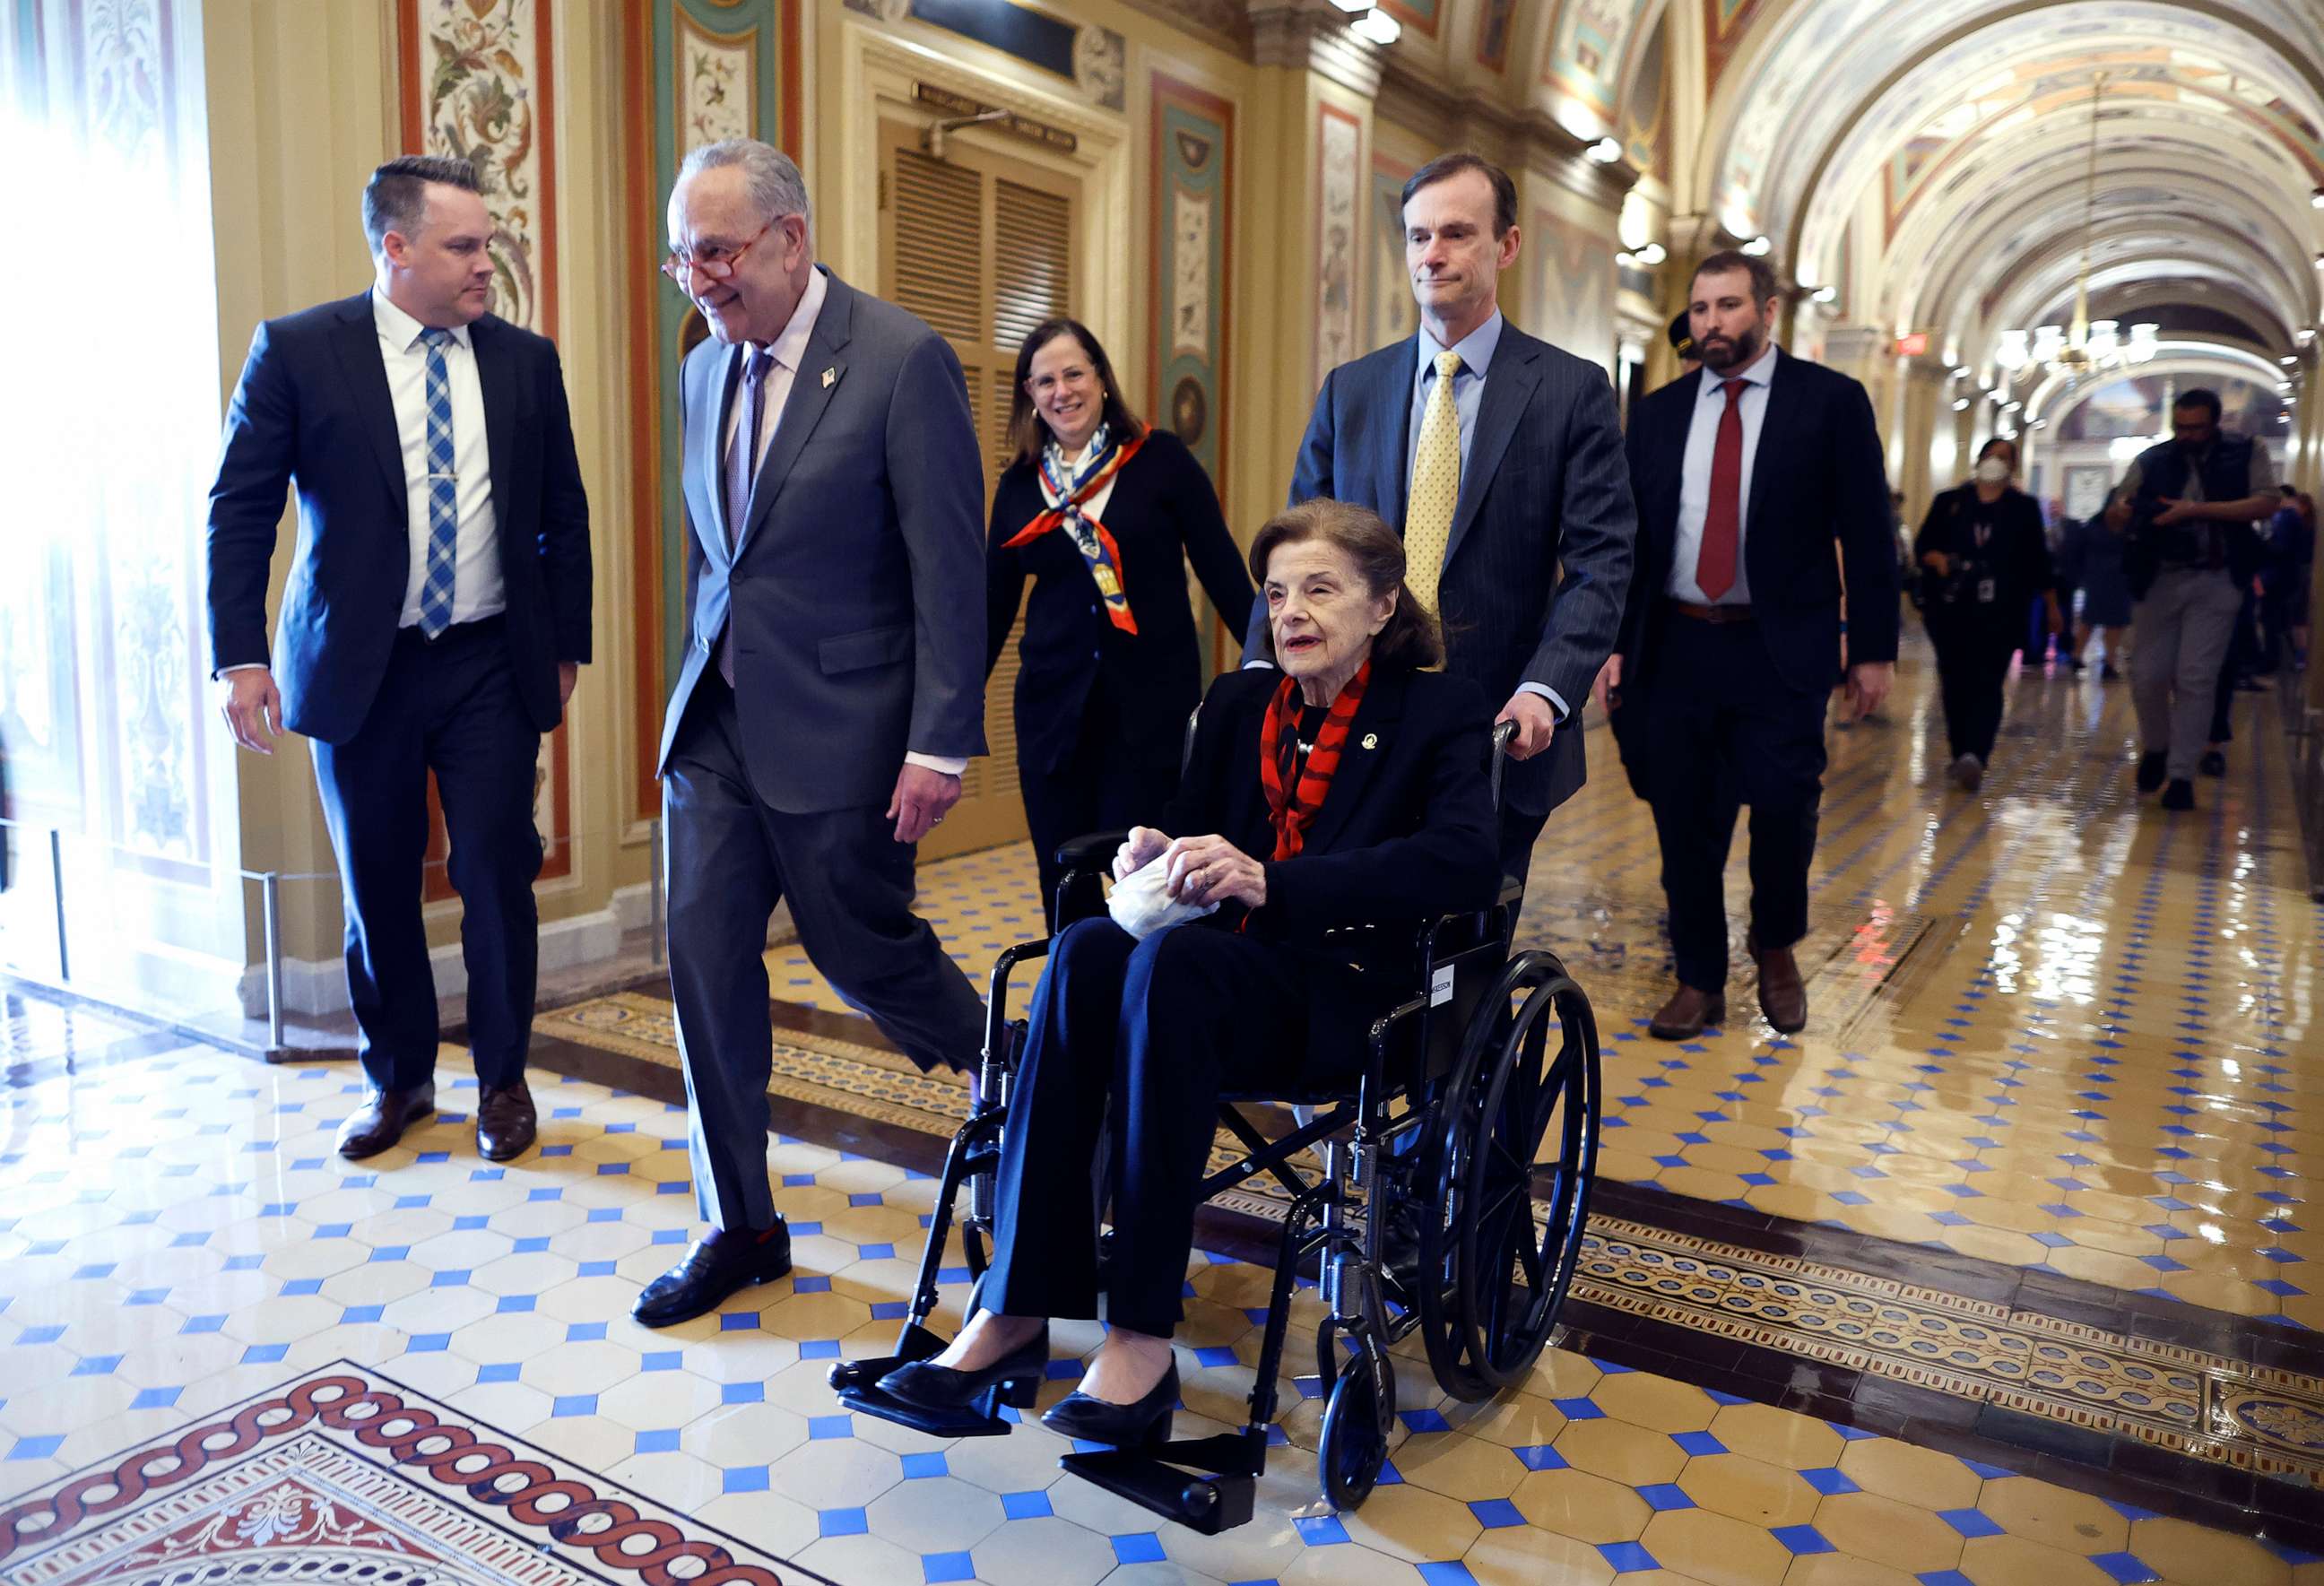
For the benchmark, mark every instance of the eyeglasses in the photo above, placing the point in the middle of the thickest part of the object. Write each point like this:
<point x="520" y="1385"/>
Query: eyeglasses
<point x="716" y="261"/>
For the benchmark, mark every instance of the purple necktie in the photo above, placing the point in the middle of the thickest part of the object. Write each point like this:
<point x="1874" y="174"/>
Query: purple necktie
<point x="742" y="464"/>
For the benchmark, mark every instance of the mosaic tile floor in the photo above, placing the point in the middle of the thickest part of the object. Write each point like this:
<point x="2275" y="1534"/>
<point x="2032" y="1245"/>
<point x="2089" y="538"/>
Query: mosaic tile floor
<point x="2051" y="1026"/>
<point x="178" y="1240"/>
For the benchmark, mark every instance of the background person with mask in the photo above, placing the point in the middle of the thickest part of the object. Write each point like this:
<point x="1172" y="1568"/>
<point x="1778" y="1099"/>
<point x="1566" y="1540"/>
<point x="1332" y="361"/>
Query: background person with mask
<point x="1982" y="561"/>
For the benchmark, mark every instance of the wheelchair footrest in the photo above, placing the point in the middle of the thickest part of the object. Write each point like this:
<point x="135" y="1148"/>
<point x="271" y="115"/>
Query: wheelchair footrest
<point x="857" y="1384"/>
<point x="979" y="1417"/>
<point x="1216" y="1496"/>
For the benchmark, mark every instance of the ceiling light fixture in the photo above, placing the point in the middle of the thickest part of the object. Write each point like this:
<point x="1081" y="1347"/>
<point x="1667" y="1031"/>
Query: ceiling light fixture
<point x="2086" y="346"/>
<point x="1604" y="152"/>
<point x="1377" y="27"/>
<point x="1758" y="247"/>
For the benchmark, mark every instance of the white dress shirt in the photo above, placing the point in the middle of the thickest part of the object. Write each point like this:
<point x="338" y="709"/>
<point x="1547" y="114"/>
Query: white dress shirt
<point x="476" y="588"/>
<point x="787" y="349"/>
<point x="1694" y="482"/>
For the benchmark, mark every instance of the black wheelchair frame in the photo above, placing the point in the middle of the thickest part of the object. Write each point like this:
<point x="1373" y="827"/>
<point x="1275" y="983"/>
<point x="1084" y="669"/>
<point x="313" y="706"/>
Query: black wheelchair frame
<point x="1499" y="1240"/>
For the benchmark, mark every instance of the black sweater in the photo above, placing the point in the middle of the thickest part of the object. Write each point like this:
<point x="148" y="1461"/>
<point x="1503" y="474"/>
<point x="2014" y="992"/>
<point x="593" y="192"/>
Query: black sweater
<point x="1163" y="514"/>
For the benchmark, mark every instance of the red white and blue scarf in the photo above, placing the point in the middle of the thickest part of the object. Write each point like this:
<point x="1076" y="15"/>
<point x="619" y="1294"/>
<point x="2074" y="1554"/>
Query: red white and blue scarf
<point x="1069" y="488"/>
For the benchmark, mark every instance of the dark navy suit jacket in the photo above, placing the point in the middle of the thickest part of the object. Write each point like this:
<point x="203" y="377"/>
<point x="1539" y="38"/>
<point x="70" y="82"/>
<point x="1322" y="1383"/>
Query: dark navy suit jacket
<point x="313" y="409"/>
<point x="856" y="583"/>
<point x="1539" y="558"/>
<point x="1818" y="478"/>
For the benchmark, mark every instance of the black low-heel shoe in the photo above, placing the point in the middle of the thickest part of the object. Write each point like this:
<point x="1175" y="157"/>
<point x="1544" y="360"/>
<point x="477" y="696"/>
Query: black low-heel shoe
<point x="932" y="1386"/>
<point x="1094" y="1420"/>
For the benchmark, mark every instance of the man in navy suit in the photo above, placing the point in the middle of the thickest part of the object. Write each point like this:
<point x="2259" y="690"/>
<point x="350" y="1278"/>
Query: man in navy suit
<point x="1747" y="472"/>
<point x="834" y="684"/>
<point x="1528" y="556"/>
<point x="435" y="619"/>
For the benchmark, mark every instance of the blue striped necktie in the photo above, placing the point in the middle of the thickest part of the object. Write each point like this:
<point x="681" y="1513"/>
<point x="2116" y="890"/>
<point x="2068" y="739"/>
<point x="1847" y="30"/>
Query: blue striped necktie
<point x="443" y="492"/>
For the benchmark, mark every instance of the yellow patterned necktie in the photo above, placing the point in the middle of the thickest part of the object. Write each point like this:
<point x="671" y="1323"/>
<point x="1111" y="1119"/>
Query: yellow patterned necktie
<point x="1435" y="485"/>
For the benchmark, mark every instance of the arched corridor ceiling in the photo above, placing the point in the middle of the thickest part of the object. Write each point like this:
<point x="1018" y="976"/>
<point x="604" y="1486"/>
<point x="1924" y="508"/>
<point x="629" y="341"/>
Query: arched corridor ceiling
<point x="1934" y="155"/>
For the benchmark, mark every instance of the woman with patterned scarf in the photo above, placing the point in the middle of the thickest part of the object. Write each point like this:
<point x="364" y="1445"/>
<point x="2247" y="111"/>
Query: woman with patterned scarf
<point x="1103" y="515"/>
<point x="1347" y="784"/>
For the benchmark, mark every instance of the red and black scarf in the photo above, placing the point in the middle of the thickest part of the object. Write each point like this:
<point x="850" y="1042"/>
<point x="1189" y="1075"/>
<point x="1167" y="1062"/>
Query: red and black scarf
<point x="1296" y="791"/>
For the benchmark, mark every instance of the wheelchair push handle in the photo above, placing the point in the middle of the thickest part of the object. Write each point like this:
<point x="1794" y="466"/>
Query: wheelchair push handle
<point x="1502" y="733"/>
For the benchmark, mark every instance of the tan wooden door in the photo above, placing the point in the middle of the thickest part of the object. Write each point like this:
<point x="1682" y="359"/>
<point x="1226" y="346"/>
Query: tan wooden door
<point x="980" y="246"/>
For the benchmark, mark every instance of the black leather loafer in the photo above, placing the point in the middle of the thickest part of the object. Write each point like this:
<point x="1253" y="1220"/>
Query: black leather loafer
<point x="711" y="1274"/>
<point x="1094" y="1420"/>
<point x="932" y="1386"/>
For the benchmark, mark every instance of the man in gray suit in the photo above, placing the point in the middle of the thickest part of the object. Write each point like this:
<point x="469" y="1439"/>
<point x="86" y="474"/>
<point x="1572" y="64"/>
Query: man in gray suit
<point x="1507" y="477"/>
<point x="832" y="690"/>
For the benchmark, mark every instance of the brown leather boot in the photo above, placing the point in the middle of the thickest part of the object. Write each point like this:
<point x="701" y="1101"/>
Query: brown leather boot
<point x="1782" y="994"/>
<point x="382" y="1120"/>
<point x="505" y="1122"/>
<point x="1683" y="1017"/>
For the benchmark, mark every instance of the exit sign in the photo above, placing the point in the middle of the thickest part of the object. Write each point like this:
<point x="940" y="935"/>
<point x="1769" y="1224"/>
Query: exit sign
<point x="1913" y="345"/>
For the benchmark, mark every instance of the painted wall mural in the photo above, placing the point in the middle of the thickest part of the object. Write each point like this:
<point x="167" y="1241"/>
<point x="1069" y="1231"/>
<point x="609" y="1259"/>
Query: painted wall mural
<point x="1724" y="24"/>
<point x="1584" y="63"/>
<point x="1339" y="248"/>
<point x="1646" y="113"/>
<point x="1394" y="314"/>
<point x="700" y="71"/>
<point x="1419" y="15"/>
<point x="1192" y="219"/>
<point x="479" y="80"/>
<point x="1573" y="272"/>
<point x="1496" y="23"/>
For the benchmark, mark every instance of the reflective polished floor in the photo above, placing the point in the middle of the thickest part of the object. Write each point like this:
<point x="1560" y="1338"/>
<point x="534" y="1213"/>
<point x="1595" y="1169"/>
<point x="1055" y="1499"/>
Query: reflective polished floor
<point x="2051" y="1025"/>
<point x="2054" y="1032"/>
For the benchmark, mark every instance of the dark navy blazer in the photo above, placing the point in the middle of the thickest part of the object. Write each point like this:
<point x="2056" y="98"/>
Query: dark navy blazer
<point x="313" y="409"/>
<point x="1539" y="557"/>
<point x="1817" y="479"/>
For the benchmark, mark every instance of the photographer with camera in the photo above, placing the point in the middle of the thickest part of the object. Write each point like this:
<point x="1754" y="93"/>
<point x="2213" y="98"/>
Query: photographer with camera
<point x="2189" y="507"/>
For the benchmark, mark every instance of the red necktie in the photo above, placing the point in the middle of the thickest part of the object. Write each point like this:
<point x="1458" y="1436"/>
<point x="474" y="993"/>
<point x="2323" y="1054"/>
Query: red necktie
<point x="1723" y="521"/>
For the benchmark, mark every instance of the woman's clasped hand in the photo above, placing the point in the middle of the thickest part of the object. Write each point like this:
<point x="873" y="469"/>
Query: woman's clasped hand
<point x="1200" y="869"/>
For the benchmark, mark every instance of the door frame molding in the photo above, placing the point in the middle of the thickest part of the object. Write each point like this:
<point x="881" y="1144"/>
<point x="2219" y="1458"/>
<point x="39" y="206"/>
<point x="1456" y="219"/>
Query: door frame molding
<point x="876" y="72"/>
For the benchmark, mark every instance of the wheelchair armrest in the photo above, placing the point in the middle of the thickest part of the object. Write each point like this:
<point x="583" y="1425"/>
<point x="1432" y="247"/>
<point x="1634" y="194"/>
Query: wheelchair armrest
<point x="1094" y="852"/>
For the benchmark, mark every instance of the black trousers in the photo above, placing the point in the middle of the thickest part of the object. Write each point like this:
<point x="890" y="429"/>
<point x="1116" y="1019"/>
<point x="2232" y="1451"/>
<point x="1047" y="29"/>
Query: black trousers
<point x="1100" y="788"/>
<point x="450" y="707"/>
<point x="1972" y="667"/>
<point x="1139" y="1039"/>
<point x="1713" y="727"/>
<point x="731" y="858"/>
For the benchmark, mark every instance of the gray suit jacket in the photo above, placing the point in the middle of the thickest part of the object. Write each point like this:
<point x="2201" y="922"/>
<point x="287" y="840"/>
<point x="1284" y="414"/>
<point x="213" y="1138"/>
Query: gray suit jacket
<point x="1538" y="563"/>
<point x="856" y="583"/>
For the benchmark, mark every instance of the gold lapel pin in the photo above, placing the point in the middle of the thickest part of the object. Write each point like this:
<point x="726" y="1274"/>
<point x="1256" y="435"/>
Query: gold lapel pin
<point x="830" y="378"/>
<point x="1371" y="741"/>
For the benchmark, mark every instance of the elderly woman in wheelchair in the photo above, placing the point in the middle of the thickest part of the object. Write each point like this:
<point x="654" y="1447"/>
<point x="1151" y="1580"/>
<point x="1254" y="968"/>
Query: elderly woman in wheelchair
<point x="1345" y="798"/>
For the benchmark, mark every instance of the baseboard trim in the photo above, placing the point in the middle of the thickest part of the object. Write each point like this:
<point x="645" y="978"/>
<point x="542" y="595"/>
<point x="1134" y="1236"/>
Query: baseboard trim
<point x="313" y="986"/>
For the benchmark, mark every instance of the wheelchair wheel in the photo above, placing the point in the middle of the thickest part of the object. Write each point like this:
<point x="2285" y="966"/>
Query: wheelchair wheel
<point x="1353" y="1446"/>
<point x="1508" y="1226"/>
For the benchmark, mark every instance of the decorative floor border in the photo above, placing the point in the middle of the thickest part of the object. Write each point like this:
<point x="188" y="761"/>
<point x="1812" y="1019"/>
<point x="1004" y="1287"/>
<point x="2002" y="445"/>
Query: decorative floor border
<point x="2145" y="1399"/>
<point x="382" y="1472"/>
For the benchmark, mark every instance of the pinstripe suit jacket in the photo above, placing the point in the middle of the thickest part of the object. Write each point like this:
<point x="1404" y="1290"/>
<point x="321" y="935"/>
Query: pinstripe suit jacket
<point x="1538" y="563"/>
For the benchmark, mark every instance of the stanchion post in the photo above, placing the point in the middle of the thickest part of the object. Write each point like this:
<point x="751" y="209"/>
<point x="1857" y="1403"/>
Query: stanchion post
<point x="57" y="887"/>
<point x="655" y="921"/>
<point x="270" y="893"/>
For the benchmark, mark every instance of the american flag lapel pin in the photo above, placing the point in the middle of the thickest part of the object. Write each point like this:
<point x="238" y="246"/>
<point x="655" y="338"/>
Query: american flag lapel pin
<point x="830" y="378"/>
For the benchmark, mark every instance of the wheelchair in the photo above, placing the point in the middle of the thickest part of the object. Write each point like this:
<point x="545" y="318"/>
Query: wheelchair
<point x="1463" y="1082"/>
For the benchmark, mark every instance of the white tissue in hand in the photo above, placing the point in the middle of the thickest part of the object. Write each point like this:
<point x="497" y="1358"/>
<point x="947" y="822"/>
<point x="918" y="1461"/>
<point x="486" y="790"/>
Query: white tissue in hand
<point x="1142" y="903"/>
